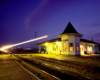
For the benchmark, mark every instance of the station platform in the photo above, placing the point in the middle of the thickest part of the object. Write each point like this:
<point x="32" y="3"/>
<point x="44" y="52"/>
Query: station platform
<point x="11" y="70"/>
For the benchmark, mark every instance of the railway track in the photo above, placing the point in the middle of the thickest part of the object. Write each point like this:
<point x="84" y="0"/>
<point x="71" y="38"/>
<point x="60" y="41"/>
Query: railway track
<point x="54" y="70"/>
<point x="40" y="74"/>
<point x="78" y="67"/>
<point x="85" y="66"/>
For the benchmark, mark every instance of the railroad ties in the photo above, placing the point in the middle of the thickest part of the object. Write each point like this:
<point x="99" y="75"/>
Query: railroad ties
<point x="50" y="69"/>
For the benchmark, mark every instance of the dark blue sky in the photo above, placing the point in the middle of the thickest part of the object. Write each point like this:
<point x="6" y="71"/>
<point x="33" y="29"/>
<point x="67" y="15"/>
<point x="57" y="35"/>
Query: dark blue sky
<point x="20" y="19"/>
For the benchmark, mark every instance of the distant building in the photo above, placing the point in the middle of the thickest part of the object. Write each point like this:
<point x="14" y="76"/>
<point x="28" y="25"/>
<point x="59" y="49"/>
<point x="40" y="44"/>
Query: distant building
<point x="69" y="43"/>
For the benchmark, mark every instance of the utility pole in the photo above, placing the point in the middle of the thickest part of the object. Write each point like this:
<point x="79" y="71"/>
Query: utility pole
<point x="35" y="34"/>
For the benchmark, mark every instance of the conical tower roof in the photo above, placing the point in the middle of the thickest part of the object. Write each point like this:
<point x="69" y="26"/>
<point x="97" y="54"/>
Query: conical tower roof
<point x="69" y="29"/>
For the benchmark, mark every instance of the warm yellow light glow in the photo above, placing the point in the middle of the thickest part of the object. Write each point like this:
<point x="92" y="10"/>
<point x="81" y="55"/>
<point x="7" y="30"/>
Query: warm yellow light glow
<point x="89" y="48"/>
<point x="82" y="49"/>
<point x="46" y="43"/>
<point x="64" y="46"/>
<point x="77" y="48"/>
<point x="71" y="49"/>
<point x="57" y="42"/>
<point x="60" y="44"/>
<point x="23" y="42"/>
<point x="81" y="46"/>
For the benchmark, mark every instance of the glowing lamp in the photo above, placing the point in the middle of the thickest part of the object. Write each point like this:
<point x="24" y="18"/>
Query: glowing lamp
<point x="57" y="42"/>
<point x="46" y="43"/>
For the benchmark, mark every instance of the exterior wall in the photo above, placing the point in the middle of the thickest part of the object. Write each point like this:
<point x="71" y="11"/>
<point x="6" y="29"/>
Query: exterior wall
<point x="53" y="48"/>
<point x="88" y="48"/>
<point x="67" y="39"/>
<point x="96" y="50"/>
<point x="77" y="41"/>
<point x="83" y="48"/>
<point x="49" y="48"/>
<point x="64" y="46"/>
<point x="71" y="39"/>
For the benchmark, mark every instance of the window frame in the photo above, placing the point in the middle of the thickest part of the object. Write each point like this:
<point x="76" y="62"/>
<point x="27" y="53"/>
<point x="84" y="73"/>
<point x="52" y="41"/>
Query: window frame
<point x="71" y="46"/>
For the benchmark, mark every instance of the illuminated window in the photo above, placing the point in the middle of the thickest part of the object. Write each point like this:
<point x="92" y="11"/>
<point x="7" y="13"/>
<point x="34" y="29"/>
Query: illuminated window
<point x="71" y="47"/>
<point x="77" y="46"/>
<point x="89" y="48"/>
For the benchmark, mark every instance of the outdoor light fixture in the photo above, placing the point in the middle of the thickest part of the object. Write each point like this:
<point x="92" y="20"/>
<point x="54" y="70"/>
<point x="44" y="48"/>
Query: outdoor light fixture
<point x="46" y="43"/>
<point x="57" y="42"/>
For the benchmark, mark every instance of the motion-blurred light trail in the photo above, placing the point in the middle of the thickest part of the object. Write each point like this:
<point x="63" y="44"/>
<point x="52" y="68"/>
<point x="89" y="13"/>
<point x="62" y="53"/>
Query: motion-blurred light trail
<point x="6" y="47"/>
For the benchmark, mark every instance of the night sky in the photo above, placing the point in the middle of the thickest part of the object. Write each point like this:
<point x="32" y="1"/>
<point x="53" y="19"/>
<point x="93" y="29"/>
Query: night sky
<point x="20" y="19"/>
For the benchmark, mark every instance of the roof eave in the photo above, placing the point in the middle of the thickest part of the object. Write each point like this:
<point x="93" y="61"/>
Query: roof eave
<point x="75" y="34"/>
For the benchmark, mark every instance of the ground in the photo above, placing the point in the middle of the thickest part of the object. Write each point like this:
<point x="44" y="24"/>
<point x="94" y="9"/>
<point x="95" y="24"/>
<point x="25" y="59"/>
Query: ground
<point x="10" y="70"/>
<point x="87" y="65"/>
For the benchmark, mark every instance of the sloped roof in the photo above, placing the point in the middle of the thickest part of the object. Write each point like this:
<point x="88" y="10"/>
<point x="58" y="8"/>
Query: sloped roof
<point x="88" y="41"/>
<point x="59" y="39"/>
<point x="52" y="40"/>
<point x="70" y="29"/>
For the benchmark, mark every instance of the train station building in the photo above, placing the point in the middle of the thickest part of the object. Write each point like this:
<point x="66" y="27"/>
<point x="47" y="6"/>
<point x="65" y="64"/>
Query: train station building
<point x="70" y="43"/>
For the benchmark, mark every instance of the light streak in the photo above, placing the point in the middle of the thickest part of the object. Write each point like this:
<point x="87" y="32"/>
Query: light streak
<point x="6" y="47"/>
